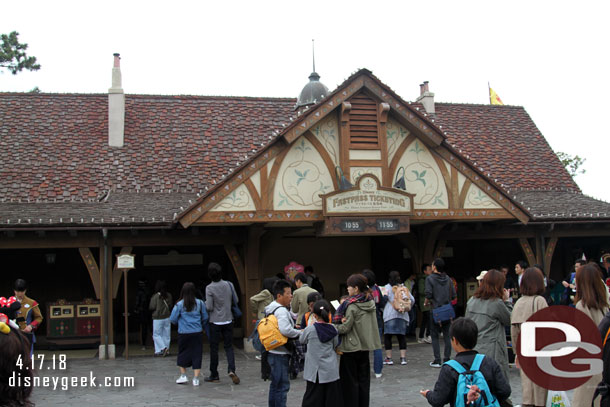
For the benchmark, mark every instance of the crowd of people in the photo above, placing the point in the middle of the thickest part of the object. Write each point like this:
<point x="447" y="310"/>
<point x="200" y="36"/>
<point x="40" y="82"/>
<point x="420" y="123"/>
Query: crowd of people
<point x="331" y="344"/>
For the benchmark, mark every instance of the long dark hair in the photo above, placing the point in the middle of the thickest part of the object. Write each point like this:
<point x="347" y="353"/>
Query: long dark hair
<point x="590" y="288"/>
<point x="160" y="288"/>
<point x="188" y="295"/>
<point x="12" y="346"/>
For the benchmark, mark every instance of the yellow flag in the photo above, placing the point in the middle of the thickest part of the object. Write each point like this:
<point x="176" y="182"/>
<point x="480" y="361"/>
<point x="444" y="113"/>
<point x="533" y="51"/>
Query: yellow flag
<point x="494" y="99"/>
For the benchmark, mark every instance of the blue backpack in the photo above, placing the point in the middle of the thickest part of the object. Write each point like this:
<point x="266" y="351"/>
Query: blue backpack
<point x="471" y="377"/>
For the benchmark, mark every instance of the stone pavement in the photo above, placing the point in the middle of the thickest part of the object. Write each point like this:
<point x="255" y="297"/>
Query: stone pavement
<point x="155" y="383"/>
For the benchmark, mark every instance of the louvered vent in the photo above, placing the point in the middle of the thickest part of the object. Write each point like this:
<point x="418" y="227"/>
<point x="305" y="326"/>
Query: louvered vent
<point x="363" y="123"/>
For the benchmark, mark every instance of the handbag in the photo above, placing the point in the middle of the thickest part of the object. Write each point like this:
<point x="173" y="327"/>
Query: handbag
<point x="443" y="313"/>
<point x="235" y="310"/>
<point x="557" y="398"/>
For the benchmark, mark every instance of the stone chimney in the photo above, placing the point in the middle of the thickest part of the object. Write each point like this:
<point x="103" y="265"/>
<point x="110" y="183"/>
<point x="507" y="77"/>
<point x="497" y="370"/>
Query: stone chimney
<point x="116" y="107"/>
<point x="426" y="98"/>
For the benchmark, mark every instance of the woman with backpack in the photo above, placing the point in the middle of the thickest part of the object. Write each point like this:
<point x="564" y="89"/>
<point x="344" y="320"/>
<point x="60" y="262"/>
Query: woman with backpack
<point x="190" y="315"/>
<point x="321" y="366"/>
<point x="161" y="305"/>
<point x="490" y="309"/>
<point x="592" y="299"/>
<point x="357" y="324"/>
<point x="396" y="317"/>
<point x="531" y="289"/>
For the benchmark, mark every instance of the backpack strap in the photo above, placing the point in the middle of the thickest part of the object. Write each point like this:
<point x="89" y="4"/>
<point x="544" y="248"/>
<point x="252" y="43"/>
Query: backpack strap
<point x="455" y="365"/>
<point x="606" y="338"/>
<point x="476" y="363"/>
<point x="273" y="312"/>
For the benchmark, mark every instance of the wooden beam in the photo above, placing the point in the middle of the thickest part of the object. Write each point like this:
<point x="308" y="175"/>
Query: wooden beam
<point x="464" y="192"/>
<point x="548" y="255"/>
<point x="330" y="166"/>
<point x="253" y="193"/>
<point x="384" y="110"/>
<point x="238" y="265"/>
<point x="94" y="271"/>
<point x="225" y="187"/>
<point x="527" y="251"/>
<point x="430" y="237"/>
<point x="253" y="272"/>
<point x="539" y="249"/>
<point x="446" y="179"/>
<point x="275" y="169"/>
<point x="103" y="298"/>
<point x="440" y="246"/>
<point x="117" y="274"/>
<point x="49" y="240"/>
<point x="400" y="152"/>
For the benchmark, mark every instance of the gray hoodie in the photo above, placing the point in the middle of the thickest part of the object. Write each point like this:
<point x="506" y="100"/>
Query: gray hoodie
<point x="285" y="323"/>
<point x="439" y="289"/>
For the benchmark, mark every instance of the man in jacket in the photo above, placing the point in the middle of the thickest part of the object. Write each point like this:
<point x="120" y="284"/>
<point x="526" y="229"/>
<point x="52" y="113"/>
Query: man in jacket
<point x="220" y="296"/>
<point x="299" y="303"/>
<point x="463" y="335"/>
<point x="279" y="358"/>
<point x="439" y="291"/>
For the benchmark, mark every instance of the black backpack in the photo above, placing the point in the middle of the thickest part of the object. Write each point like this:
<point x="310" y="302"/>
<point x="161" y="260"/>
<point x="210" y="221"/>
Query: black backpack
<point x="603" y="388"/>
<point x="316" y="284"/>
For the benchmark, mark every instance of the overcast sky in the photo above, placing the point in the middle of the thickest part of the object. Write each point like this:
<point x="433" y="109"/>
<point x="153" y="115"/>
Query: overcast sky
<point x="550" y="57"/>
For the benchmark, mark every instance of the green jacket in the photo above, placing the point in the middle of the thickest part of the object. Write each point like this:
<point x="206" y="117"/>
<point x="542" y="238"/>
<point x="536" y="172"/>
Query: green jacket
<point x="359" y="331"/>
<point x="421" y="290"/>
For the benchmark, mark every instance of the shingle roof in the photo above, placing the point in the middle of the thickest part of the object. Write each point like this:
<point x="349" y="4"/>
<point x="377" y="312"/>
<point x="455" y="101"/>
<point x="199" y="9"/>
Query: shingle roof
<point x="55" y="161"/>
<point x="546" y="205"/>
<point x="118" y="209"/>
<point x="55" y="146"/>
<point x="505" y="142"/>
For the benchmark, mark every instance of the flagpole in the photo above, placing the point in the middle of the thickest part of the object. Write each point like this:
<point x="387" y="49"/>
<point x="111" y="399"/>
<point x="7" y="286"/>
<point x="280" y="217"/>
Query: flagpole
<point x="489" y="91"/>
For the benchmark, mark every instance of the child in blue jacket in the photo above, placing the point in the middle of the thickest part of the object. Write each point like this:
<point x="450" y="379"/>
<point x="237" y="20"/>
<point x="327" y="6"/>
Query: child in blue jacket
<point x="191" y="316"/>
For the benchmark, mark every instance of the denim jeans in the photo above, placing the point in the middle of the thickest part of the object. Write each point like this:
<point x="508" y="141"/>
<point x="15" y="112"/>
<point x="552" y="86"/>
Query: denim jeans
<point x="161" y="334"/>
<point x="226" y="331"/>
<point x="378" y="356"/>
<point x="435" y="329"/>
<point x="280" y="381"/>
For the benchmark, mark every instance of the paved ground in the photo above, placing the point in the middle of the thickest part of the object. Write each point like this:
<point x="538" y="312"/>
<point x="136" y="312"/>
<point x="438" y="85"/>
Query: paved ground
<point x="154" y="383"/>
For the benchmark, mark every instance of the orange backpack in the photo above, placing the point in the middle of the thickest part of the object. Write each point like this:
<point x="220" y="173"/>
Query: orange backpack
<point x="269" y="332"/>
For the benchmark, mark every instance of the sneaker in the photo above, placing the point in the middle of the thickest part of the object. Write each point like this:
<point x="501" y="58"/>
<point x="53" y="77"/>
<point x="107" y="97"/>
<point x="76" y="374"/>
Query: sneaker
<point x="388" y="361"/>
<point x="195" y="381"/>
<point x="436" y="364"/>
<point x="158" y="354"/>
<point x="403" y="361"/>
<point x="258" y="357"/>
<point x="428" y="339"/>
<point x="165" y="352"/>
<point x="421" y="340"/>
<point x="182" y="379"/>
<point x="377" y="375"/>
<point x="211" y="379"/>
<point x="234" y="377"/>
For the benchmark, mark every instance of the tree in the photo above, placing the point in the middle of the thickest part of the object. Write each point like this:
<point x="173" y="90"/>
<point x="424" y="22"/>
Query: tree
<point x="12" y="55"/>
<point x="572" y="163"/>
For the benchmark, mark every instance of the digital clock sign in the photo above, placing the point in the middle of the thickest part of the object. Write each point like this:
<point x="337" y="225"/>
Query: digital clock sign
<point x="334" y="226"/>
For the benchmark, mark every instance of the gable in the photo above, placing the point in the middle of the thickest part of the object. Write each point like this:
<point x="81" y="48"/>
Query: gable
<point x="352" y="133"/>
